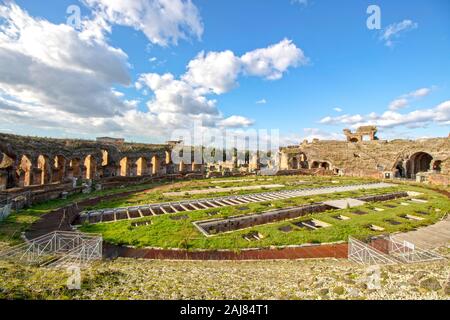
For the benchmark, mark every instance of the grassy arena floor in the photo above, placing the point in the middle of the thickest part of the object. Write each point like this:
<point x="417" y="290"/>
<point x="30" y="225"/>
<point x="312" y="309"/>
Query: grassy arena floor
<point x="168" y="233"/>
<point x="165" y="232"/>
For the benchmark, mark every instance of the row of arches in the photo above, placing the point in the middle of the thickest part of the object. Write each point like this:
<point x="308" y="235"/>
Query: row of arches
<point x="53" y="170"/>
<point x="301" y="162"/>
<point x="26" y="170"/>
<point x="321" y="164"/>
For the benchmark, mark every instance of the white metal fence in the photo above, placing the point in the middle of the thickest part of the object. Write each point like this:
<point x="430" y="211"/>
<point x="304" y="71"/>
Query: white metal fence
<point x="394" y="252"/>
<point x="56" y="249"/>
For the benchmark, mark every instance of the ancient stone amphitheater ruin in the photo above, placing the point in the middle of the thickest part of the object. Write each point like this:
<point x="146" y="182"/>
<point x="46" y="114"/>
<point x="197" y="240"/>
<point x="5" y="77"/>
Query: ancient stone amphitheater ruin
<point x="364" y="155"/>
<point x="47" y="168"/>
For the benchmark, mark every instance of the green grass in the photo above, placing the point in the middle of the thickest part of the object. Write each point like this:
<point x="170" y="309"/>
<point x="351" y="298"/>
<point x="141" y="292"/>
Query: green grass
<point x="167" y="233"/>
<point x="289" y="182"/>
<point x="18" y="222"/>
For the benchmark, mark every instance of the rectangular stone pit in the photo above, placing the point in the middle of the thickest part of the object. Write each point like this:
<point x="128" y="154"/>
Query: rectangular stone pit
<point x="212" y="227"/>
<point x="134" y="213"/>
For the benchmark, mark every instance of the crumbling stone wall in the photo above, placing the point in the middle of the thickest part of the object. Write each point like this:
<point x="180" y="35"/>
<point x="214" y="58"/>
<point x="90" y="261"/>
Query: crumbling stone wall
<point x="31" y="161"/>
<point x="376" y="158"/>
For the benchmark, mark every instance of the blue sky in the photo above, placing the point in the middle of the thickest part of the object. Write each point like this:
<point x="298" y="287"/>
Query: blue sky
<point x="337" y="74"/>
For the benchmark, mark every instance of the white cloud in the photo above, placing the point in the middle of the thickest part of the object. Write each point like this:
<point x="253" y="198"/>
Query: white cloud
<point x="52" y="66"/>
<point x="78" y="78"/>
<point x="162" y="21"/>
<point x="439" y="115"/>
<point x="398" y="104"/>
<point x="217" y="72"/>
<point x="337" y="109"/>
<point x="214" y="71"/>
<point x="423" y="92"/>
<point x="273" y="61"/>
<point x="235" y="122"/>
<point x="176" y="96"/>
<point x="405" y="99"/>
<point x="262" y="101"/>
<point x="209" y="73"/>
<point x="394" y="31"/>
<point x="344" y="119"/>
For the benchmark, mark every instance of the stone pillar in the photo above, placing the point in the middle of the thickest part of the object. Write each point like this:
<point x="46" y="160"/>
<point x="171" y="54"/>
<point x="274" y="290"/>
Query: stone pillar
<point x="133" y="169"/>
<point x="182" y="167"/>
<point x="3" y="180"/>
<point x="37" y="176"/>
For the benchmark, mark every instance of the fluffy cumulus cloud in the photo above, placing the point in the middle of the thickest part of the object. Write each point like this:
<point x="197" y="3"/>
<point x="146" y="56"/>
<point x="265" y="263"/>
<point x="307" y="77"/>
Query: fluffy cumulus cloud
<point x="175" y="96"/>
<point x="218" y="71"/>
<point x="162" y="21"/>
<point x="57" y="78"/>
<point x="211" y="74"/>
<point x="393" y="31"/>
<point x="48" y="66"/>
<point x="214" y="71"/>
<point x="273" y="61"/>
<point x="53" y="77"/>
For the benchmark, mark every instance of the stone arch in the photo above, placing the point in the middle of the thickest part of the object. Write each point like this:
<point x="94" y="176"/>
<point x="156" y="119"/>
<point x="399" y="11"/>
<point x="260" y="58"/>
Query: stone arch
<point x="74" y="166"/>
<point x="196" y="167"/>
<point x="43" y="164"/>
<point x="168" y="157"/>
<point x="25" y="171"/>
<point x="294" y="163"/>
<point x="325" y="165"/>
<point x="155" y="165"/>
<point x="105" y="158"/>
<point x="8" y="174"/>
<point x="182" y="166"/>
<point x="418" y="162"/>
<point x="91" y="167"/>
<point x="59" y="171"/>
<point x="141" y="166"/>
<point x="337" y="171"/>
<point x="125" y="168"/>
<point x="399" y="169"/>
<point x="437" y="165"/>
<point x="315" y="165"/>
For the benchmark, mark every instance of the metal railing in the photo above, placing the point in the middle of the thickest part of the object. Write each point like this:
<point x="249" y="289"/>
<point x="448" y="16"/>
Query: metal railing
<point x="397" y="252"/>
<point x="363" y="253"/>
<point x="56" y="249"/>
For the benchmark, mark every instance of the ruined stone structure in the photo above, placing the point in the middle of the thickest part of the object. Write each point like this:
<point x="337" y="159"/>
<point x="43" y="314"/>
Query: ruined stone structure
<point x="362" y="134"/>
<point x="421" y="160"/>
<point x="28" y="162"/>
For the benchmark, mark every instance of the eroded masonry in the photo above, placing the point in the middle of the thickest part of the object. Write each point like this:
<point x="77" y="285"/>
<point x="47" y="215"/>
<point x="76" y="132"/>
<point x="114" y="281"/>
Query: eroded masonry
<point x="37" y="169"/>
<point x="364" y="155"/>
<point x="41" y="169"/>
